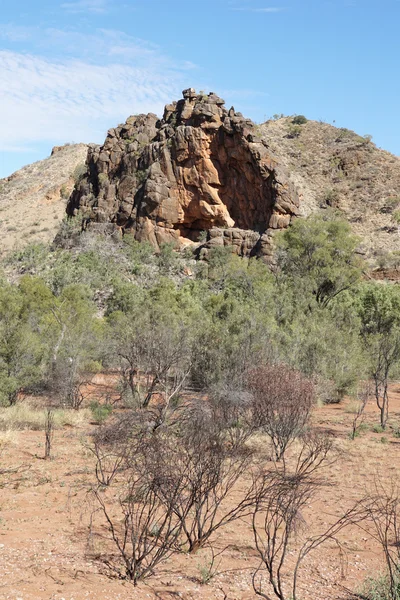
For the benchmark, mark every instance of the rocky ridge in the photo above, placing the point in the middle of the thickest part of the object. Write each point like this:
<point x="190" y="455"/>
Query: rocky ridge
<point x="334" y="167"/>
<point x="33" y="199"/>
<point x="199" y="168"/>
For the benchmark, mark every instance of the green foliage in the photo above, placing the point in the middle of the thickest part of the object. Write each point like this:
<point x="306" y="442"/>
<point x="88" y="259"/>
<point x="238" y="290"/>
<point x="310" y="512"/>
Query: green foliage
<point x="21" y="350"/>
<point x="100" y="412"/>
<point x="78" y="173"/>
<point x="319" y="253"/>
<point x="141" y="176"/>
<point x="379" y="588"/>
<point x="103" y="178"/>
<point x="167" y="259"/>
<point x="379" y="311"/>
<point x="299" y="120"/>
<point x="73" y="311"/>
<point x="294" y="131"/>
<point x="64" y="193"/>
<point x="330" y="198"/>
<point x="31" y="259"/>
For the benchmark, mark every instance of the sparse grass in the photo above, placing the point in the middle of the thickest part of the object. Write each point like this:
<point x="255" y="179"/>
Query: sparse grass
<point x="378" y="588"/>
<point x="377" y="429"/>
<point x="23" y="416"/>
<point x="352" y="407"/>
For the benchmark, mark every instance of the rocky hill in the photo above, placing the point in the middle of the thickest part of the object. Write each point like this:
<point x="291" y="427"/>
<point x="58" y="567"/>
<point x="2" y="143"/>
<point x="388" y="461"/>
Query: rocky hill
<point x="199" y="168"/>
<point x="33" y="200"/>
<point x="338" y="168"/>
<point x="203" y="167"/>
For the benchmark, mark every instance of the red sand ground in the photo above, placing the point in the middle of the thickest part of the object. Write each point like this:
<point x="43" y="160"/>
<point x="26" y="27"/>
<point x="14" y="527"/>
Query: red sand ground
<point x="46" y="551"/>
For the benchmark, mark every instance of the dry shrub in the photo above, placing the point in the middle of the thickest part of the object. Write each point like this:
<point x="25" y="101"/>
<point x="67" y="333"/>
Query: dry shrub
<point x="142" y="526"/>
<point x="282" y="399"/>
<point x="192" y="464"/>
<point x="208" y="463"/>
<point x="282" y="496"/>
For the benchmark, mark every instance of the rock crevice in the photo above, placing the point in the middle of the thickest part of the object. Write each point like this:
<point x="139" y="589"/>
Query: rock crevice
<point x="200" y="167"/>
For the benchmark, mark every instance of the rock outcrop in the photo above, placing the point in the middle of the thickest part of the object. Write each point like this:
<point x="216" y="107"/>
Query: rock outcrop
<point x="201" y="167"/>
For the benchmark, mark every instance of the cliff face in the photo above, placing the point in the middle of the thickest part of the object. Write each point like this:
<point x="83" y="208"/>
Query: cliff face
<point x="201" y="167"/>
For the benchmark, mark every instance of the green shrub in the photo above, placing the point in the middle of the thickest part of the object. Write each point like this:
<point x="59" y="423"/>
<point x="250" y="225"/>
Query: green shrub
<point x="103" y="178"/>
<point x="78" y="173"/>
<point x="100" y="412"/>
<point x="331" y="198"/>
<point x="378" y="588"/>
<point x="299" y="120"/>
<point x="294" y="131"/>
<point x="377" y="429"/>
<point x="64" y="193"/>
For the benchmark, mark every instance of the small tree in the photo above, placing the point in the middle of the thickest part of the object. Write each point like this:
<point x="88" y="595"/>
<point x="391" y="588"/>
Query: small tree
<point x="282" y="399"/>
<point x="281" y="498"/>
<point x="74" y="345"/>
<point x="142" y="526"/>
<point x="155" y="358"/>
<point x="299" y="120"/>
<point x="21" y="351"/>
<point x="363" y="397"/>
<point x="379" y="310"/>
<point x="317" y="254"/>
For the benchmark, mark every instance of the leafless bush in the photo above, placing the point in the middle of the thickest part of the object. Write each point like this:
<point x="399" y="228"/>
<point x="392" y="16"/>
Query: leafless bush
<point x="364" y="394"/>
<point x="383" y="511"/>
<point x="281" y="497"/>
<point x="193" y="464"/>
<point x="231" y="407"/>
<point x="69" y="382"/>
<point x="143" y="528"/>
<point x="282" y="399"/>
<point x="209" y="467"/>
<point x="116" y="444"/>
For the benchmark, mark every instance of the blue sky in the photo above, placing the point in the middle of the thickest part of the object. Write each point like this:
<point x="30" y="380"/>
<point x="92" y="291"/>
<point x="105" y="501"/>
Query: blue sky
<point x="71" y="69"/>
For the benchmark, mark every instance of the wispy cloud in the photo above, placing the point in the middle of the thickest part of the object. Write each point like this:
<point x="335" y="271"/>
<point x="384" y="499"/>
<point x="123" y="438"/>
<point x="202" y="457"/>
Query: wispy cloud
<point x="269" y="9"/>
<point x="14" y="33"/>
<point x="86" y="6"/>
<point x="70" y="99"/>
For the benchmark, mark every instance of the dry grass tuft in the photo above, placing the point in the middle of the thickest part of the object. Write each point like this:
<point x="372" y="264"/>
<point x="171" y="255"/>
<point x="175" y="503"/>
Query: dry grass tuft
<point x="25" y="417"/>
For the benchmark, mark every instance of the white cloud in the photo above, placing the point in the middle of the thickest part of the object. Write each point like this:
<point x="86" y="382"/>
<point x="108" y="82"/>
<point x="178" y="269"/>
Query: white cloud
<point x="61" y="100"/>
<point x="86" y="6"/>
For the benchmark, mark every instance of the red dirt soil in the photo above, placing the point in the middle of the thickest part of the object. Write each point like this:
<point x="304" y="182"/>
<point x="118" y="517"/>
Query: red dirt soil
<point x="45" y="514"/>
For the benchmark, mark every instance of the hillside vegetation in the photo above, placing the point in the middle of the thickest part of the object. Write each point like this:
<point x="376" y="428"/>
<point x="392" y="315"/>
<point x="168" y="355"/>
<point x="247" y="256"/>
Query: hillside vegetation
<point x="215" y="371"/>
<point x="337" y="168"/>
<point x="33" y="200"/>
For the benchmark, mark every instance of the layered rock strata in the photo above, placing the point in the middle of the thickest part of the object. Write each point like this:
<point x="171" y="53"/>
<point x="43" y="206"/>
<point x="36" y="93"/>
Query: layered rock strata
<point x="200" y="167"/>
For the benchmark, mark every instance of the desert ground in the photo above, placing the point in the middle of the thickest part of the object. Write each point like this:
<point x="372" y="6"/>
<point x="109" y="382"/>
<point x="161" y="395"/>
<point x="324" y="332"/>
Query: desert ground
<point x="52" y="538"/>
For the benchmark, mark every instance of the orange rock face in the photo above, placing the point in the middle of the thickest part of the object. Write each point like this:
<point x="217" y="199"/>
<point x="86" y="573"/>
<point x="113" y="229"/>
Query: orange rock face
<point x="199" y="168"/>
